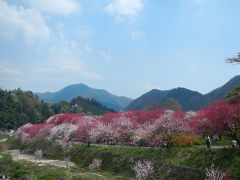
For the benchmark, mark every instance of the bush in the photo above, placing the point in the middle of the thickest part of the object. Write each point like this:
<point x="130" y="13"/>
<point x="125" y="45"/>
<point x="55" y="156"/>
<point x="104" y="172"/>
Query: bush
<point x="95" y="165"/>
<point x="143" y="169"/>
<point x="50" y="149"/>
<point x="185" y="140"/>
<point x="50" y="175"/>
<point x="6" y="163"/>
<point x="213" y="173"/>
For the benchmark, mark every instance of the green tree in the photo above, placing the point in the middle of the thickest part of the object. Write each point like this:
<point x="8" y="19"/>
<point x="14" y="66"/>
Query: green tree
<point x="171" y="104"/>
<point x="152" y="106"/>
<point x="233" y="96"/>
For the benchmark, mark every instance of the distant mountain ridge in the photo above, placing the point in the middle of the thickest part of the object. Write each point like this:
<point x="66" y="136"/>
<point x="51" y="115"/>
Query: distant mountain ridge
<point x="190" y="100"/>
<point x="105" y="98"/>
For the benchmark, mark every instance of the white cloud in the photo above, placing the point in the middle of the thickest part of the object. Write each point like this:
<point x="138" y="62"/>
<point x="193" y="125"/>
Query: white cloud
<point x="106" y="54"/>
<point x="84" y="33"/>
<point x="18" y="21"/>
<point x="129" y="8"/>
<point x="136" y="34"/>
<point x="7" y="71"/>
<point x="67" y="60"/>
<point x="63" y="7"/>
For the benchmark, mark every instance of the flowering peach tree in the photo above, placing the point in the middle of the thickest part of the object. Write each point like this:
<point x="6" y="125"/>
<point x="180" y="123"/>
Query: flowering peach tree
<point x="143" y="128"/>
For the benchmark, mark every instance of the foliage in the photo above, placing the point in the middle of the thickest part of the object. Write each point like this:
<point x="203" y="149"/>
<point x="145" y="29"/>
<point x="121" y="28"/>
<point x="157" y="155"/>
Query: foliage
<point x="80" y="105"/>
<point x="233" y="96"/>
<point x="6" y="162"/>
<point x="171" y="104"/>
<point x="19" y="107"/>
<point x="220" y="117"/>
<point x="186" y="140"/>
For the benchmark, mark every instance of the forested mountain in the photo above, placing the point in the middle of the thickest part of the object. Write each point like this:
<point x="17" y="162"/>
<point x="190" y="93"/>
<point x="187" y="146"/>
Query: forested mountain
<point x="188" y="99"/>
<point x="182" y="96"/>
<point x="80" y="105"/>
<point x="19" y="107"/>
<point x="72" y="91"/>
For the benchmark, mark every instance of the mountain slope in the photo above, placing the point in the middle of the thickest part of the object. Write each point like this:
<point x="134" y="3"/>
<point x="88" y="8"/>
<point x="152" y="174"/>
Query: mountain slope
<point x="190" y="100"/>
<point x="182" y="95"/>
<point x="222" y="91"/>
<point x="72" y="91"/>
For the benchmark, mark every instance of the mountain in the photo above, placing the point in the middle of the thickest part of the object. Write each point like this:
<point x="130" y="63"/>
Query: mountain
<point x="222" y="91"/>
<point x="189" y="100"/>
<point x="105" y="98"/>
<point x="182" y="95"/>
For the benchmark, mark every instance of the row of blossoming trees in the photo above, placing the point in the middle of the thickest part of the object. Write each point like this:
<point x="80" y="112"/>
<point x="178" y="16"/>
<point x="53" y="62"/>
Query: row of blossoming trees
<point x="140" y="128"/>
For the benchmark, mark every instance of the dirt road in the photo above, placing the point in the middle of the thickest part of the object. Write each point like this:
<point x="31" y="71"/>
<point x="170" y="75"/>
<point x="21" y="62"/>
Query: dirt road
<point x="17" y="155"/>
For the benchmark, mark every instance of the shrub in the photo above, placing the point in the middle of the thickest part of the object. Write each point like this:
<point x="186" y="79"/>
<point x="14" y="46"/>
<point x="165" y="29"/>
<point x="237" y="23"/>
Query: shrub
<point x="185" y="140"/>
<point x="39" y="154"/>
<point x="6" y="163"/>
<point x="30" y="176"/>
<point x="143" y="169"/>
<point x="95" y="165"/>
<point x="50" y="149"/>
<point x="215" y="174"/>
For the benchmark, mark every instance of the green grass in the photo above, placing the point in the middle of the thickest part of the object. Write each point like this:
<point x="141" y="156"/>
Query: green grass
<point x="24" y="170"/>
<point x="194" y="159"/>
<point x="3" y="135"/>
<point x="225" y="141"/>
<point x="177" y="162"/>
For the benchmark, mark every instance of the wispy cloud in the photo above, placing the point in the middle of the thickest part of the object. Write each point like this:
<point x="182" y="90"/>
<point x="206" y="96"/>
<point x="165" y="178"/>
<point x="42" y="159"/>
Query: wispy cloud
<point x="125" y="8"/>
<point x="106" y="54"/>
<point x="29" y="23"/>
<point x="85" y="33"/>
<point x="136" y="34"/>
<point x="61" y="7"/>
<point x="8" y="71"/>
<point x="68" y="59"/>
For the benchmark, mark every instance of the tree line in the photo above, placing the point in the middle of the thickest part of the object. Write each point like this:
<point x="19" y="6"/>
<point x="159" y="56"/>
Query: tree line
<point x="18" y="107"/>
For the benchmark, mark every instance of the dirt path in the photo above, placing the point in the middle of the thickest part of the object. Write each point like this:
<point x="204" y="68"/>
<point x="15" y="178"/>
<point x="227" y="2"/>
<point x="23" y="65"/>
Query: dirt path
<point x="215" y="147"/>
<point x="17" y="155"/>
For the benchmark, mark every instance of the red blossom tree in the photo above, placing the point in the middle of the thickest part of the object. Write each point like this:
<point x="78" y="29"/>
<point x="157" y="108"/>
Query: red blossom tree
<point x="220" y="117"/>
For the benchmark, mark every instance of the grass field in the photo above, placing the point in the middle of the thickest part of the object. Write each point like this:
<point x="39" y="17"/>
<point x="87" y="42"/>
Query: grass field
<point x="176" y="162"/>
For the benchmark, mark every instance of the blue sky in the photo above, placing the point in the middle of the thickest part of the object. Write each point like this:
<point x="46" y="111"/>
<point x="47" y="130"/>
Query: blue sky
<point x="127" y="47"/>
